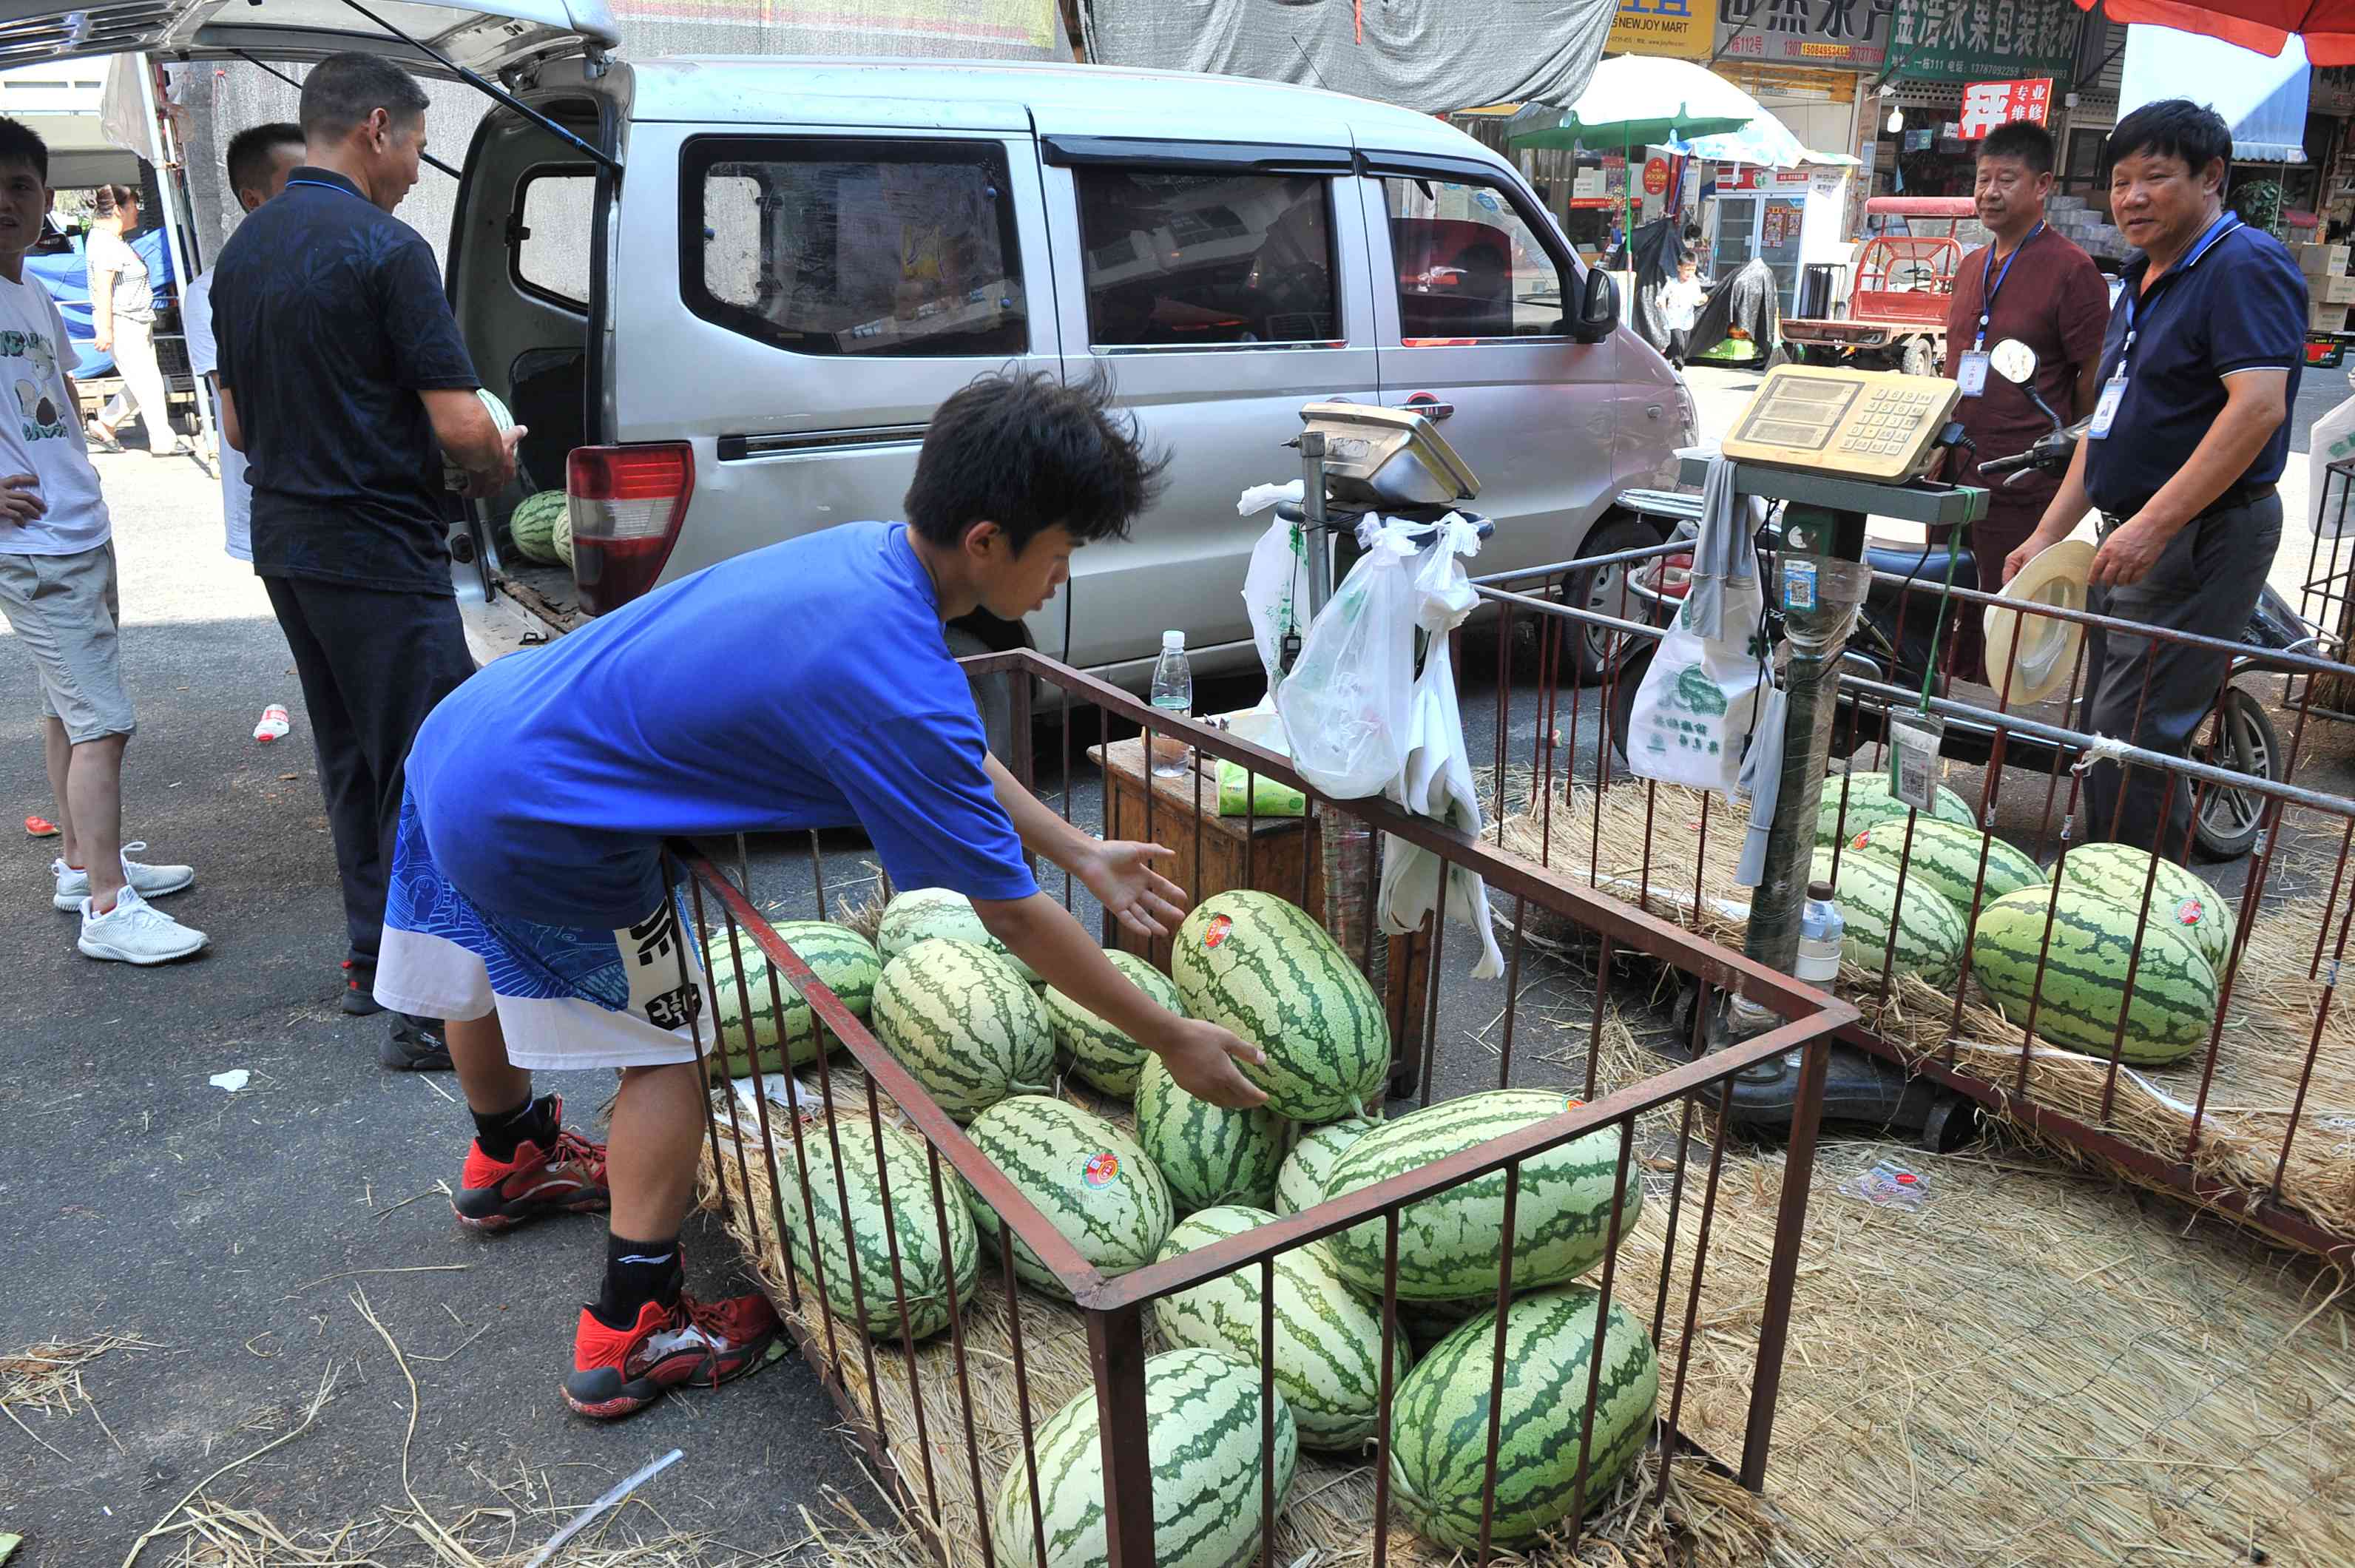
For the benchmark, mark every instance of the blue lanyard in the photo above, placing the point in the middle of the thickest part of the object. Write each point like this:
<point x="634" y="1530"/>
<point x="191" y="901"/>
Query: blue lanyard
<point x="2132" y="295"/>
<point x="1988" y="291"/>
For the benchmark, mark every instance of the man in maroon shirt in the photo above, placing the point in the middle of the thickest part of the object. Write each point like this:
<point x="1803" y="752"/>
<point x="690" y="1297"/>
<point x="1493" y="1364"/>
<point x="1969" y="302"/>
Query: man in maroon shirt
<point x="2036" y="286"/>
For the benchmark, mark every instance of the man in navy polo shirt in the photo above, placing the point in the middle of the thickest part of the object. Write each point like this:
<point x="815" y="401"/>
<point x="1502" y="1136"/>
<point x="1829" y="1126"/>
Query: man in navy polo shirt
<point x="2191" y="431"/>
<point x="345" y="383"/>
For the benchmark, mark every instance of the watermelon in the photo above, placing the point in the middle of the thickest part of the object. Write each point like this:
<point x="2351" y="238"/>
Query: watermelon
<point x="1930" y="936"/>
<point x="926" y="1268"/>
<point x="560" y="540"/>
<point x="964" y="1024"/>
<point x="1098" y="1053"/>
<point x="1870" y="802"/>
<point x="1263" y="968"/>
<point x="1202" y="1421"/>
<point x="1428" y="1322"/>
<point x="1439" y="1419"/>
<point x="845" y="961"/>
<point x="533" y="525"/>
<point x="1086" y="1176"/>
<point x="1328" y="1342"/>
<point x="1448" y="1242"/>
<point x="2179" y="897"/>
<point x="1209" y="1155"/>
<point x="2174" y="1002"/>
<point x="1300" y="1183"/>
<point x="912" y="917"/>
<point x="1945" y="857"/>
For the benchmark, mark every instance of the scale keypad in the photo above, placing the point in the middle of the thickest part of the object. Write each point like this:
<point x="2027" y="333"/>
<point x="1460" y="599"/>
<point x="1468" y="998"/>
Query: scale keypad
<point x="1892" y="422"/>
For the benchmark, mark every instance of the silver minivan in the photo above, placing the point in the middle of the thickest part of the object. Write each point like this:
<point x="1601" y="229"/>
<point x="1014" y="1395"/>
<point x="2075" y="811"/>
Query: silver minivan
<point x="727" y="294"/>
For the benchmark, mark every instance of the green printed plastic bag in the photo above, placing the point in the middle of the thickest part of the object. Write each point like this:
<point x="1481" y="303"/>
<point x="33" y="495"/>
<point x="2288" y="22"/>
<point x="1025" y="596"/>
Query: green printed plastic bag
<point x="1269" y="797"/>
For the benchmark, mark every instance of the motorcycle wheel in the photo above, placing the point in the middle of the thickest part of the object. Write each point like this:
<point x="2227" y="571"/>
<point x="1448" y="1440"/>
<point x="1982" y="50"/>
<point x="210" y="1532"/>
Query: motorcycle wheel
<point x="2241" y="737"/>
<point x="1603" y="589"/>
<point x="1629" y="674"/>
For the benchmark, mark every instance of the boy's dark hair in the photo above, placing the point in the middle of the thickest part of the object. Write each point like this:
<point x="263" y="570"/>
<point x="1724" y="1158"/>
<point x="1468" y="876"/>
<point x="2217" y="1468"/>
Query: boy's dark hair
<point x="1026" y="452"/>
<point x="344" y="90"/>
<point x="248" y="160"/>
<point x="20" y="143"/>
<point x="2171" y="128"/>
<point x="2023" y="139"/>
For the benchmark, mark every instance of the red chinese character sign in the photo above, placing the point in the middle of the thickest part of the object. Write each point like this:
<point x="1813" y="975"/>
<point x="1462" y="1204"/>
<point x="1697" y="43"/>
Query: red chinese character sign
<point x="1987" y="104"/>
<point x="1656" y="176"/>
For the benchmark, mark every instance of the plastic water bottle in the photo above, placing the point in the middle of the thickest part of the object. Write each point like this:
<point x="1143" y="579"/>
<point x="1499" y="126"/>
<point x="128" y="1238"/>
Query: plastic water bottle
<point x="275" y="722"/>
<point x="1821" y="932"/>
<point x="1173" y="693"/>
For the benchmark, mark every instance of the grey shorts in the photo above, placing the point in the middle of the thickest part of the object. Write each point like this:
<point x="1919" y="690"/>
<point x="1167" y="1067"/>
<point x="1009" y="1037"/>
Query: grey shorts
<point x="65" y="611"/>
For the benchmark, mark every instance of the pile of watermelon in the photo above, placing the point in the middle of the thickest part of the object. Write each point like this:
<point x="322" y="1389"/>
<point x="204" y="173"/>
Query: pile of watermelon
<point x="1967" y="897"/>
<point x="533" y="527"/>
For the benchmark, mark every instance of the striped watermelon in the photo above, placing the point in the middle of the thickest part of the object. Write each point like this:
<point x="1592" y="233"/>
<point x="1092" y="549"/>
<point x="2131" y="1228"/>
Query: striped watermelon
<point x="2180" y="899"/>
<point x="925" y="1269"/>
<point x="1946" y="858"/>
<point x="1086" y="1176"/>
<point x="532" y="524"/>
<point x="1202" y="1421"/>
<point x="1328" y="1342"/>
<point x="926" y="913"/>
<point x="1428" y="1322"/>
<point x="845" y="961"/>
<point x="1870" y="802"/>
<point x="1300" y="1183"/>
<point x="560" y="540"/>
<point x="1262" y="968"/>
<point x="1209" y="1155"/>
<point x="2174" y="1001"/>
<point x="1930" y="936"/>
<point x="965" y="1025"/>
<point x="1439" y="1420"/>
<point x="1098" y="1053"/>
<point x="1448" y="1242"/>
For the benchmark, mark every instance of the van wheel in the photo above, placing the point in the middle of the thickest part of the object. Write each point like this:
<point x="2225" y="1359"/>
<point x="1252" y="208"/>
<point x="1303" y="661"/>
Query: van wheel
<point x="1603" y="589"/>
<point x="993" y="695"/>
<point x="1917" y="360"/>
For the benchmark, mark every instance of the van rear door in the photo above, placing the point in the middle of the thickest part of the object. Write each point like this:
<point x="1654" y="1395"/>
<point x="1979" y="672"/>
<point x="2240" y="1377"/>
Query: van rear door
<point x="483" y="36"/>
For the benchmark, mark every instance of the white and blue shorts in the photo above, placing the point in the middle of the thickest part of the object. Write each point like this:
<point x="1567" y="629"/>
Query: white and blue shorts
<point x="567" y="997"/>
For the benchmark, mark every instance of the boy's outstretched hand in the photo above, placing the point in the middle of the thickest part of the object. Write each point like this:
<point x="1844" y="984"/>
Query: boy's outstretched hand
<point x="1201" y="1058"/>
<point x="1120" y="874"/>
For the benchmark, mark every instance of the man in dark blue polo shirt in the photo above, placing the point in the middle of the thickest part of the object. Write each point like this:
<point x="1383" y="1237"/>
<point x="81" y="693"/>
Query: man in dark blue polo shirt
<point x="2191" y="431"/>
<point x="345" y="383"/>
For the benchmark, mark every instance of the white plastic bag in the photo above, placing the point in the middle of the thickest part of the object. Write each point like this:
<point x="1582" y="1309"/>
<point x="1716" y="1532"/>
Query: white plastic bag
<point x="1693" y="713"/>
<point x="2332" y="441"/>
<point x="1348" y="703"/>
<point x="1275" y="593"/>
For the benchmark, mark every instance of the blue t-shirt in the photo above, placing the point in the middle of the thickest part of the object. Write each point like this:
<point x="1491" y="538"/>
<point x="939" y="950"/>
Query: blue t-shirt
<point x="806" y="685"/>
<point x="2238" y="304"/>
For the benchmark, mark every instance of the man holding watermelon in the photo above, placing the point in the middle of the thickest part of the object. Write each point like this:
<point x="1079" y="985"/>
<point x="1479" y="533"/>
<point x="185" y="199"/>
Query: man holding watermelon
<point x="805" y="685"/>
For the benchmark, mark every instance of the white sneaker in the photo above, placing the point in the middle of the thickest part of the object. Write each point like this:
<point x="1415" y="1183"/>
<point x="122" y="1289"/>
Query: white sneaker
<point x="137" y="932"/>
<point x="151" y="881"/>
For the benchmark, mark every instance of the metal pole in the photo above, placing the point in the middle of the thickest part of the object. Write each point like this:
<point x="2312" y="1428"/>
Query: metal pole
<point x="1312" y="519"/>
<point x="163" y="152"/>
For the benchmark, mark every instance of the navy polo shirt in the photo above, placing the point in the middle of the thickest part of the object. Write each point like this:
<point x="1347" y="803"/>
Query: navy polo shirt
<point x="330" y="319"/>
<point x="2240" y="306"/>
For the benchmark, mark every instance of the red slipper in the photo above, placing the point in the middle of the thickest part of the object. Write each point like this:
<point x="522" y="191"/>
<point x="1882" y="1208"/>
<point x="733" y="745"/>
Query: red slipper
<point x="41" y="828"/>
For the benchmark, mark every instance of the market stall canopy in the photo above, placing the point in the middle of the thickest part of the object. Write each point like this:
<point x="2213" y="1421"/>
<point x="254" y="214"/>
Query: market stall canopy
<point x="2264" y="26"/>
<point x="1635" y="101"/>
<point x="1765" y="143"/>
<point x="485" y="36"/>
<point x="80" y="154"/>
<point x="2260" y="97"/>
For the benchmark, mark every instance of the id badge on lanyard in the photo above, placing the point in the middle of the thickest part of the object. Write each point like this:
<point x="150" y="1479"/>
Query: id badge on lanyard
<point x="2114" y="391"/>
<point x="1971" y="372"/>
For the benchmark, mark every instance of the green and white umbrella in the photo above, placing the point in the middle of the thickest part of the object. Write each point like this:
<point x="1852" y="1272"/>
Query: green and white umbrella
<point x="1637" y="100"/>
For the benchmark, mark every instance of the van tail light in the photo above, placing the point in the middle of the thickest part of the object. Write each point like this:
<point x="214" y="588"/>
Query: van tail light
<point x="627" y="503"/>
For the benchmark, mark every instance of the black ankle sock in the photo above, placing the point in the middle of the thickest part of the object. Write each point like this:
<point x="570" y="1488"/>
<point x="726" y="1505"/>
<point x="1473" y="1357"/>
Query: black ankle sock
<point x="502" y="1132"/>
<point x="635" y="1274"/>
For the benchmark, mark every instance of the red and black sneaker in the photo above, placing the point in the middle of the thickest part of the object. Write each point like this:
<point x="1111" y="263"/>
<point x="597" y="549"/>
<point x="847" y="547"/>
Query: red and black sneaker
<point x="567" y="1177"/>
<point x="618" y="1373"/>
<point x="360" y="991"/>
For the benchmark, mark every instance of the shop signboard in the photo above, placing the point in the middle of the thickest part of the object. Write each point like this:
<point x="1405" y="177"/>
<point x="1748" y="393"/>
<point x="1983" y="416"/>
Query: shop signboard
<point x="1844" y="35"/>
<point x="1732" y="177"/>
<point x="1978" y="40"/>
<point x="1656" y="176"/>
<point x="1672" y="30"/>
<point x="1987" y="104"/>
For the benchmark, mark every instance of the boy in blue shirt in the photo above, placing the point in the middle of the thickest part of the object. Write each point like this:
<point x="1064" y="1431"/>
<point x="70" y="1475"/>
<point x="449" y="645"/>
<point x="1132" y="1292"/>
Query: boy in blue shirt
<point x="806" y="685"/>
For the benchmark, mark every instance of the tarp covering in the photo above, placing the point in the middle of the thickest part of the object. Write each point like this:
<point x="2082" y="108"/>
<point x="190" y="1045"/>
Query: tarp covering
<point x="1659" y="248"/>
<point x="66" y="275"/>
<point x="1427" y="57"/>
<point x="2262" y="99"/>
<point x="1746" y="302"/>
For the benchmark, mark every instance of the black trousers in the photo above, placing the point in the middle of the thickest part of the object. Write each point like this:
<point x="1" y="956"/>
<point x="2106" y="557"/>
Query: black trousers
<point x="2156" y="693"/>
<point x="373" y="663"/>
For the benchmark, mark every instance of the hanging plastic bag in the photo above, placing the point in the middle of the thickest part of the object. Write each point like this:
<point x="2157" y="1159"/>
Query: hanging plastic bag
<point x="1693" y="714"/>
<point x="1349" y="699"/>
<point x="2332" y="440"/>
<point x="1276" y="586"/>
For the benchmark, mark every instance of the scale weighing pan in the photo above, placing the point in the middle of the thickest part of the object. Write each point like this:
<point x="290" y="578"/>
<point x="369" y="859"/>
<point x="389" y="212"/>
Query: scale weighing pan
<point x="1377" y="457"/>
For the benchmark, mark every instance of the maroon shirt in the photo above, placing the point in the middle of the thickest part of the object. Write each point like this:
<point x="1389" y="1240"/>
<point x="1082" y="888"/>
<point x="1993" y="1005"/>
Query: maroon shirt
<point x="2055" y="301"/>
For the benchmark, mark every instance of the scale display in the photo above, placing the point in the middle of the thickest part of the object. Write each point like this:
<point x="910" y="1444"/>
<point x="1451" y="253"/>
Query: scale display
<point x="1870" y="424"/>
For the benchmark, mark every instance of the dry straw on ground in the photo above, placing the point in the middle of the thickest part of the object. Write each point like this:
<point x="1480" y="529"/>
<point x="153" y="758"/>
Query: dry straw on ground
<point x="2260" y="1056"/>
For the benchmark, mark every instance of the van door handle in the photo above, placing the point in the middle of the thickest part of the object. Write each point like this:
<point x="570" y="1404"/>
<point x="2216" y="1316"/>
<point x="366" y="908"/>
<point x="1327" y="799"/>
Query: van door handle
<point x="1428" y="405"/>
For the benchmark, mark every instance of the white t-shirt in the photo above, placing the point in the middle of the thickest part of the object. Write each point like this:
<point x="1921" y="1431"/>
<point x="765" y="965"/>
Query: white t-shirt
<point x="1681" y="304"/>
<point x="41" y="429"/>
<point x="204" y="359"/>
<point x="135" y="290"/>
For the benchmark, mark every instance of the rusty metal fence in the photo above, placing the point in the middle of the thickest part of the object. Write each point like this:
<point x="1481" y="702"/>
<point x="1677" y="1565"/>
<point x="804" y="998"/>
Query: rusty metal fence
<point x="2258" y="1123"/>
<point x="916" y="1400"/>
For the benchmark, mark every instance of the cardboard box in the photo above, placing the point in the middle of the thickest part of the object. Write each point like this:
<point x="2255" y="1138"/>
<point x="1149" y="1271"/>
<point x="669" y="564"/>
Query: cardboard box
<point x="2322" y="317"/>
<point x="2334" y="291"/>
<point x="2322" y="260"/>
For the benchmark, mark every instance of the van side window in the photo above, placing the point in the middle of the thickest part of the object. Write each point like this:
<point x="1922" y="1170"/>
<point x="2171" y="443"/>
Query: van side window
<point x="1469" y="264"/>
<point x="1186" y="260"/>
<point x="549" y="249"/>
<point x="874" y="248"/>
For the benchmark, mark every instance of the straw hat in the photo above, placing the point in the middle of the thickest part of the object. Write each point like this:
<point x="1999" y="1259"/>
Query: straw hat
<point x="2046" y="648"/>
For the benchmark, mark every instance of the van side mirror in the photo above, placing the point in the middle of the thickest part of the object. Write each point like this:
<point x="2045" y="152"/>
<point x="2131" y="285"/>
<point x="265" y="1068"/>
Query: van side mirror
<point x="1598" y="312"/>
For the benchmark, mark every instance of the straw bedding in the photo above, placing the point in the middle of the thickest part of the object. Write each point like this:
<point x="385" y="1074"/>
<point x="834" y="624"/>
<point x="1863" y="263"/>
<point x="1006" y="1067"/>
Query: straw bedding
<point x="2260" y="1055"/>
